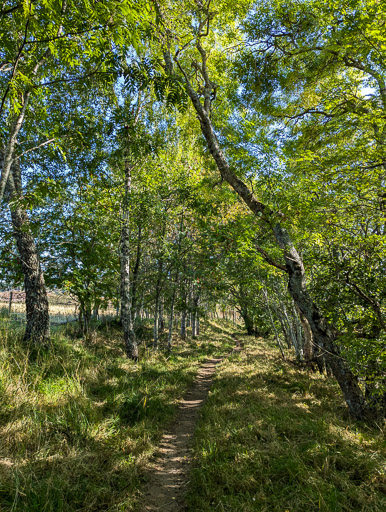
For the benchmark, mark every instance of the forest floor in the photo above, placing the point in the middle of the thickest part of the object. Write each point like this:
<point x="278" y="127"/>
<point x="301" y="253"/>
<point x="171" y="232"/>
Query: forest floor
<point x="81" y="429"/>
<point x="80" y="423"/>
<point x="276" y="438"/>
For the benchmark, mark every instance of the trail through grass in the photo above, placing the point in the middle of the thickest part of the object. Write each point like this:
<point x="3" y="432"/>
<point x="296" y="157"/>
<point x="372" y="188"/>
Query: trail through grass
<point x="79" y="422"/>
<point x="274" y="438"/>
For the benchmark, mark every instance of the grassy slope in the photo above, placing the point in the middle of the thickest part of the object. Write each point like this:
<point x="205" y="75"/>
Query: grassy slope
<point x="273" y="438"/>
<point x="79" y="422"/>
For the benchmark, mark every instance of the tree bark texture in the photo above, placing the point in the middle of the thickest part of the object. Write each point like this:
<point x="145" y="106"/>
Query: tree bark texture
<point x="131" y="346"/>
<point x="37" y="314"/>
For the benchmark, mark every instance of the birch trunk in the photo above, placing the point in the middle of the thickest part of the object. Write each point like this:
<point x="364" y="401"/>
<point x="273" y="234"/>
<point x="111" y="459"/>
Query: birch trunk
<point x="131" y="346"/>
<point x="134" y="281"/>
<point x="171" y="317"/>
<point x="324" y="335"/>
<point x="183" y="325"/>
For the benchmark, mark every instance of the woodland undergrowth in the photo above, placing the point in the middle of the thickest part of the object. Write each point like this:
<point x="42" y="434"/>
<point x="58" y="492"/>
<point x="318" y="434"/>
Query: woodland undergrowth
<point x="79" y="421"/>
<point x="276" y="438"/>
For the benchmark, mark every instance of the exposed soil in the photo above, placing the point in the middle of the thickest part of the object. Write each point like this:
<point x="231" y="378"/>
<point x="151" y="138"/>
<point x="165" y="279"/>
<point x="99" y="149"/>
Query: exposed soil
<point x="169" y="476"/>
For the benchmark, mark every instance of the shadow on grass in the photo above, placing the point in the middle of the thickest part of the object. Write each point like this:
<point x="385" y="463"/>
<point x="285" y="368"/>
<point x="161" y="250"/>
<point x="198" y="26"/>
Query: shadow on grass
<point x="273" y="438"/>
<point x="80" y="421"/>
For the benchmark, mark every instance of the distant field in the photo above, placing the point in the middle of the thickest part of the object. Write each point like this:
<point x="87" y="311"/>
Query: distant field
<point x="62" y="307"/>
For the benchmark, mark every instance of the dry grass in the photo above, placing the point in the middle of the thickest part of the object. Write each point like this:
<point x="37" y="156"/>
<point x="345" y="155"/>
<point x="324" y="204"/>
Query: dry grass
<point x="54" y="308"/>
<point x="79" y="422"/>
<point x="274" y="438"/>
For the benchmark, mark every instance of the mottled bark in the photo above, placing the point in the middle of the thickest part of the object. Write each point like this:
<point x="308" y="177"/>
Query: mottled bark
<point x="308" y="346"/>
<point x="323" y="334"/>
<point x="37" y="315"/>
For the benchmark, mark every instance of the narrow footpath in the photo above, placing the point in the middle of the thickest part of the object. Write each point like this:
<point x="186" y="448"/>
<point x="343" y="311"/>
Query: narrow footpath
<point x="170" y="476"/>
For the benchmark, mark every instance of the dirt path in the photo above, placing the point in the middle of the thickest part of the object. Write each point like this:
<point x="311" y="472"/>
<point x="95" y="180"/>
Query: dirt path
<point x="169" y="478"/>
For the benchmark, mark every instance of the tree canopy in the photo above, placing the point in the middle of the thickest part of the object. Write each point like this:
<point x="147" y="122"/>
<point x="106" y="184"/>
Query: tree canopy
<point x="173" y="159"/>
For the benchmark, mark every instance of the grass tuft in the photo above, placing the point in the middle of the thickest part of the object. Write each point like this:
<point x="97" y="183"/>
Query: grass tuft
<point x="274" y="438"/>
<point x="79" y="422"/>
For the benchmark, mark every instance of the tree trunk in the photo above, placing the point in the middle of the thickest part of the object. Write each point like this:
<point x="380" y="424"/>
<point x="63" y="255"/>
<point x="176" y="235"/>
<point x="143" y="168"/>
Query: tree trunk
<point x="248" y="322"/>
<point x="183" y="325"/>
<point x="36" y="300"/>
<point x="161" y="316"/>
<point x="10" y="303"/>
<point x="156" y="323"/>
<point x="196" y="299"/>
<point x="37" y="315"/>
<point x="131" y="346"/>
<point x="323" y="334"/>
<point x="308" y="349"/>
<point x="193" y="322"/>
<point x="299" y="333"/>
<point x="84" y="318"/>
<point x="157" y="306"/>
<point x="134" y="280"/>
<point x="170" y="333"/>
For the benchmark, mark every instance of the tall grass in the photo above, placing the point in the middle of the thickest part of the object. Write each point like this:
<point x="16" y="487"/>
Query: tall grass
<point x="273" y="438"/>
<point x="79" y="422"/>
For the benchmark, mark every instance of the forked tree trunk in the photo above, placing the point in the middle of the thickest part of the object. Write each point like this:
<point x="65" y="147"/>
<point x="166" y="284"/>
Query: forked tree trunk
<point x="37" y="315"/>
<point x="131" y="346"/>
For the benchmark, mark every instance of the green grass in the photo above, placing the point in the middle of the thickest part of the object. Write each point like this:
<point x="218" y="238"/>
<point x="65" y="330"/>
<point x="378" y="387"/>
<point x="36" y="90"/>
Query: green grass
<point x="274" y="438"/>
<point x="79" y="422"/>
